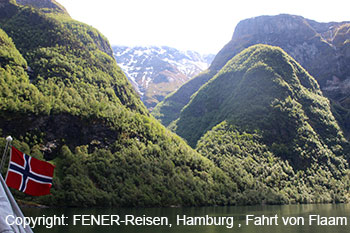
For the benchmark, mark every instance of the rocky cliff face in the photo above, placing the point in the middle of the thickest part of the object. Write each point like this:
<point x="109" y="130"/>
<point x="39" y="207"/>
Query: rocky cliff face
<point x="338" y="85"/>
<point x="307" y="41"/>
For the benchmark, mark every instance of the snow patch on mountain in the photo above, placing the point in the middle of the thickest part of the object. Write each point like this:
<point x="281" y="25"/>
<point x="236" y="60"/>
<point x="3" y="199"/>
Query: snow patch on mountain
<point x="157" y="71"/>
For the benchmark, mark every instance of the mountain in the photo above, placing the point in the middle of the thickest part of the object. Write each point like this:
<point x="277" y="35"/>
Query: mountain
<point x="44" y="4"/>
<point x="250" y="86"/>
<point x="262" y="105"/>
<point x="64" y="99"/>
<point x="321" y="48"/>
<point x="272" y="138"/>
<point x="157" y="71"/>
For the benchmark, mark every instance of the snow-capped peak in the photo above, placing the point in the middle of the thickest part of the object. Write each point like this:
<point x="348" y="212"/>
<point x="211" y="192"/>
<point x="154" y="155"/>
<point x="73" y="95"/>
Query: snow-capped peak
<point x="157" y="71"/>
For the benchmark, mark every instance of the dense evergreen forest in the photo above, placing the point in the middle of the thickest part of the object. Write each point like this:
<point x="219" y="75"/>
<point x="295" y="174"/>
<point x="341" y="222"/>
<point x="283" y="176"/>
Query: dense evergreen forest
<point x="64" y="99"/>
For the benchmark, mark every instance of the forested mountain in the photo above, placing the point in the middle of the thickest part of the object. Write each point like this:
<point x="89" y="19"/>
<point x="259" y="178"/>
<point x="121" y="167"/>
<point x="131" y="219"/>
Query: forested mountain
<point x="321" y="48"/>
<point x="64" y="99"/>
<point x="261" y="106"/>
<point x="253" y="91"/>
<point x="156" y="71"/>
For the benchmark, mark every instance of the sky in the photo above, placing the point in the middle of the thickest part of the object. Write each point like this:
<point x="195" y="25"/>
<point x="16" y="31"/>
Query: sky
<point x="204" y="26"/>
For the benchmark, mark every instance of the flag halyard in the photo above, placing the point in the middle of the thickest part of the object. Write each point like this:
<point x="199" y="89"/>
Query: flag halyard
<point x="28" y="174"/>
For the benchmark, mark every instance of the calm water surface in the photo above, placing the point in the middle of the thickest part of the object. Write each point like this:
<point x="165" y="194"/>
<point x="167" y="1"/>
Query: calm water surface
<point x="239" y="214"/>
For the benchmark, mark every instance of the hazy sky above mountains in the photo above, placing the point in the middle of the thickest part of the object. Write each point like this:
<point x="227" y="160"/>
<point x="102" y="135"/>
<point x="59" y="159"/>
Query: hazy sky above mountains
<point x="201" y="25"/>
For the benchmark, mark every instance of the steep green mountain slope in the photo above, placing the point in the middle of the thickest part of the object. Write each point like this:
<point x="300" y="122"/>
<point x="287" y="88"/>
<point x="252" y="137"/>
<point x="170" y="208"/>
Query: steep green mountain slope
<point x="320" y="48"/>
<point x="264" y="89"/>
<point x="261" y="114"/>
<point x="262" y="176"/>
<point x="64" y="99"/>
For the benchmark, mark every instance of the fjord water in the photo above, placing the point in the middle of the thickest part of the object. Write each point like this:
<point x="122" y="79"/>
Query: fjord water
<point x="238" y="212"/>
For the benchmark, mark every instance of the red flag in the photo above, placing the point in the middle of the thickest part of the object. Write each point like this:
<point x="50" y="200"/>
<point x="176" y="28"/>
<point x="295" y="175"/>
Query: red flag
<point x="28" y="174"/>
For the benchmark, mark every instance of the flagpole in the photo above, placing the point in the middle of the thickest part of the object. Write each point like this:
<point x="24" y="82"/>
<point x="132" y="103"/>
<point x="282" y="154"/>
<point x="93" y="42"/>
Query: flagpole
<point x="9" y="206"/>
<point x="8" y="143"/>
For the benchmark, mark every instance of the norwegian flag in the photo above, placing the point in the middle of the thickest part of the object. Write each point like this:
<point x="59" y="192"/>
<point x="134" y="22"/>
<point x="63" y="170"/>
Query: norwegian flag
<point x="28" y="174"/>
